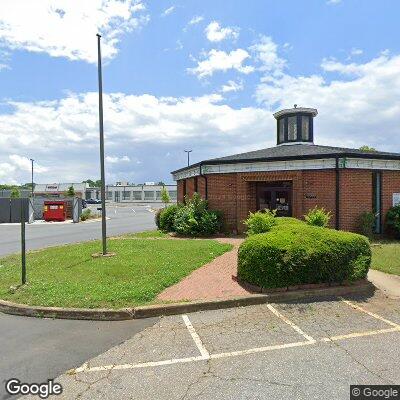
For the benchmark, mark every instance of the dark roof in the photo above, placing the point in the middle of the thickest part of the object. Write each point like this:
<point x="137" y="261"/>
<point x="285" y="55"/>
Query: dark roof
<point x="297" y="151"/>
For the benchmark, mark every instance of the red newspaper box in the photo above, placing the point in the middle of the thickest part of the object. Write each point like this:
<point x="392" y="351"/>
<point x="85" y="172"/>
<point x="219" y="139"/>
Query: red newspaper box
<point x="54" y="211"/>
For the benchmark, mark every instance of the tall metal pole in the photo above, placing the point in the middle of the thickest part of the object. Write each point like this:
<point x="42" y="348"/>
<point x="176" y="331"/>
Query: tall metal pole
<point x="103" y="190"/>
<point x="188" y="156"/>
<point x="23" y="248"/>
<point x="32" y="160"/>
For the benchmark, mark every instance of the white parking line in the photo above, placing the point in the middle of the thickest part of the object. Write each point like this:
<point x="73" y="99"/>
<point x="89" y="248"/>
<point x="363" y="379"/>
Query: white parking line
<point x="290" y="323"/>
<point x="205" y="355"/>
<point x="203" y="351"/>
<point x="359" y="334"/>
<point x="356" y="307"/>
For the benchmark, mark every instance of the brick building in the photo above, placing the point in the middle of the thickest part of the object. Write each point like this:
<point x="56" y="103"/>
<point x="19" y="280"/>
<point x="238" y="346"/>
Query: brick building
<point x="295" y="176"/>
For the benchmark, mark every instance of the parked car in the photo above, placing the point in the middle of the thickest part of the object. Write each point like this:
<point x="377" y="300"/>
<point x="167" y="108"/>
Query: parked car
<point x="84" y="203"/>
<point x="93" y="201"/>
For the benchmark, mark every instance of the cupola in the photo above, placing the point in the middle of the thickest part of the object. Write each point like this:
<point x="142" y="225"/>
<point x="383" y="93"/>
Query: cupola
<point x="295" y="125"/>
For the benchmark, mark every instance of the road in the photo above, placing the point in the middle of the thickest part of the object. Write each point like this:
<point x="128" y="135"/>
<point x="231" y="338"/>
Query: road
<point x="124" y="218"/>
<point x="34" y="349"/>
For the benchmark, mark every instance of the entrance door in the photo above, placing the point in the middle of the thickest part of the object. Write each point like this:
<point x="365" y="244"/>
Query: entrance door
<point x="275" y="196"/>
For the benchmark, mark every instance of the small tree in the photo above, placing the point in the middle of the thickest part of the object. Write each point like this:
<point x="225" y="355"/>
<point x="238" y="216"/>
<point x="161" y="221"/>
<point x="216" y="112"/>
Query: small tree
<point x="14" y="193"/>
<point x="71" y="191"/>
<point x="368" y="149"/>
<point x="165" y="196"/>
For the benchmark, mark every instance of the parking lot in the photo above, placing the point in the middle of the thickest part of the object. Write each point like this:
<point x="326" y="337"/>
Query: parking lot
<point x="302" y="350"/>
<point x="121" y="219"/>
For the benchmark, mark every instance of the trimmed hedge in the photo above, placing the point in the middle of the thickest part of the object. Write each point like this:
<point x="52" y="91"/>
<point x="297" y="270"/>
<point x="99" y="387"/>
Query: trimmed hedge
<point x="294" y="253"/>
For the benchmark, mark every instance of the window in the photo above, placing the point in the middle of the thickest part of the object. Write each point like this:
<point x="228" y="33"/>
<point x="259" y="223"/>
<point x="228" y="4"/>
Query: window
<point x="281" y="130"/>
<point x="148" y="195"/>
<point x="305" y="127"/>
<point x="137" y="195"/>
<point x="158" y="195"/>
<point x="172" y="194"/>
<point x="126" y="195"/>
<point x="109" y="195"/>
<point x="292" y="128"/>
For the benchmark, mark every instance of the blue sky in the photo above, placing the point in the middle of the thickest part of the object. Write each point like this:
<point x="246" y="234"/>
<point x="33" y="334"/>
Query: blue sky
<point x="204" y="75"/>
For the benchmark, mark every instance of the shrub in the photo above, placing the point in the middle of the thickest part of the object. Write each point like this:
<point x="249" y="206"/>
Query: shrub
<point x="279" y="221"/>
<point x="86" y="214"/>
<point x="318" y="217"/>
<point x="167" y="217"/>
<point x="298" y="254"/>
<point x="393" y="220"/>
<point x="195" y="219"/>
<point x="260" y="222"/>
<point x="367" y="224"/>
<point x="157" y="217"/>
<point x="15" y="194"/>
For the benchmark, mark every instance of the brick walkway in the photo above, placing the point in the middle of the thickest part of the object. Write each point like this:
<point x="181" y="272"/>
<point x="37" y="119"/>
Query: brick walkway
<point x="213" y="280"/>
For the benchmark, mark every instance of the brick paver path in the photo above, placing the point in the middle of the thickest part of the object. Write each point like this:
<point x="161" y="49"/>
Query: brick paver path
<point x="213" y="280"/>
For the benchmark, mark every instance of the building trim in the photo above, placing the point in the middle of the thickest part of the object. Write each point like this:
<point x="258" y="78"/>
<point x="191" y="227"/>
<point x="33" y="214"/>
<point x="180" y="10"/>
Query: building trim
<point x="288" y="165"/>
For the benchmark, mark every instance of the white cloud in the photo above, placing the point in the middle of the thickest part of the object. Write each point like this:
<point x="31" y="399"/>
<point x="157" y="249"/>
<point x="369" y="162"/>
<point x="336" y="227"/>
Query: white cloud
<point x="67" y="28"/>
<point x="356" y="52"/>
<point x="168" y="11"/>
<point x="232" y="86"/>
<point x="218" y="60"/>
<point x="333" y="1"/>
<point x="196" y="20"/>
<point x="116" y="159"/>
<point x="216" y="33"/>
<point x="266" y="53"/>
<point x="361" y="108"/>
<point x="141" y="128"/>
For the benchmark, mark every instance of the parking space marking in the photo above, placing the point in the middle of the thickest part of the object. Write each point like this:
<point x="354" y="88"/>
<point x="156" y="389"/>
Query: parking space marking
<point x="371" y="314"/>
<point x="290" y="323"/>
<point x="196" y="338"/>
<point x="205" y="355"/>
<point x="359" y="334"/>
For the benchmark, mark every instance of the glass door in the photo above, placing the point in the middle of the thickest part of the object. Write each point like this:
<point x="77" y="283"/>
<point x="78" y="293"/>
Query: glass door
<point x="275" y="196"/>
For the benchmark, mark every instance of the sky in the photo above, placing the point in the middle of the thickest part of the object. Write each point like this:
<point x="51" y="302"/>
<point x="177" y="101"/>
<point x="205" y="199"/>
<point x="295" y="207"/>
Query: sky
<point x="188" y="74"/>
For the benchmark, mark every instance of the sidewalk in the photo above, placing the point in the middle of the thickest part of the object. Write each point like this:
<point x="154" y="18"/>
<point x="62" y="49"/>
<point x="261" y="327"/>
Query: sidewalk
<point x="212" y="281"/>
<point x="388" y="283"/>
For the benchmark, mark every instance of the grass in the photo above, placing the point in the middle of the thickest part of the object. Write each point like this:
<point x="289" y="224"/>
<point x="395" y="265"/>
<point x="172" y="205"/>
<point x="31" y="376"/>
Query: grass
<point x="386" y="257"/>
<point x="68" y="276"/>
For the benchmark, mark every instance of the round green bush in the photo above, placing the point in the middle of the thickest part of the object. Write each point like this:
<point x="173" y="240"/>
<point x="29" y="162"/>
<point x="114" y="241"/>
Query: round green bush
<point x="167" y="218"/>
<point x="295" y="254"/>
<point x="279" y="221"/>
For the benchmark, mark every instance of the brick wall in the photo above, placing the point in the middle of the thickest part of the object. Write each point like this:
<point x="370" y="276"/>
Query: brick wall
<point x="235" y="194"/>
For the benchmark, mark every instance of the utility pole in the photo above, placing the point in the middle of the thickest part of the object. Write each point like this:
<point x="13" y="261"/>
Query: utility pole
<point x="101" y="128"/>
<point x="23" y="247"/>
<point x="32" y="160"/>
<point x="188" y="156"/>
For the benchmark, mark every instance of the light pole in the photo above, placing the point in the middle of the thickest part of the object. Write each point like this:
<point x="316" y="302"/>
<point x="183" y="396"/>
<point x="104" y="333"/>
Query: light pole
<point x="32" y="160"/>
<point x="188" y="155"/>
<point x="101" y="129"/>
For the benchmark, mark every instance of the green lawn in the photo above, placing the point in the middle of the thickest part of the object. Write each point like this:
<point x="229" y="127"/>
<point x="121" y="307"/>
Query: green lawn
<point x="68" y="276"/>
<point x="386" y="257"/>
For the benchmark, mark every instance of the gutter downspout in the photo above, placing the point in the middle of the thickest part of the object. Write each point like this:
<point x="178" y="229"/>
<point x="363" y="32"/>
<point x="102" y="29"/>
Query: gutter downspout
<point x="205" y="180"/>
<point x="337" y="211"/>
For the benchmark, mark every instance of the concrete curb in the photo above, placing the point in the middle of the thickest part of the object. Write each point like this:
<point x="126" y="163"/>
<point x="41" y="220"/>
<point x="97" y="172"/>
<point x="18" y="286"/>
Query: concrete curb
<point x="362" y="288"/>
<point x="97" y="314"/>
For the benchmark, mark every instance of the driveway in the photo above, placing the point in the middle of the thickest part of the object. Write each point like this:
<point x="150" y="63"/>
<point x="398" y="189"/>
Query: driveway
<point x="300" y="350"/>
<point x="123" y="218"/>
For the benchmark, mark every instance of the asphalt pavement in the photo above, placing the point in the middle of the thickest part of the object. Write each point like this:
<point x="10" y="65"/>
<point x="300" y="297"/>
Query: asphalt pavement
<point x="34" y="350"/>
<point x="298" y="350"/>
<point x="122" y="218"/>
